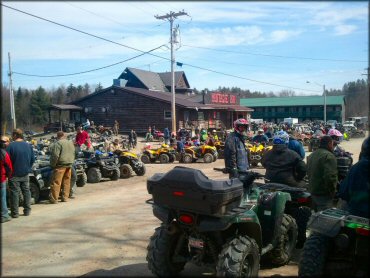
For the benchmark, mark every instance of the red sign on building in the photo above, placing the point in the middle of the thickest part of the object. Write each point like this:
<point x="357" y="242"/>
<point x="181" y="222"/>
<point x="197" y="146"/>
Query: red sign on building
<point x="220" y="98"/>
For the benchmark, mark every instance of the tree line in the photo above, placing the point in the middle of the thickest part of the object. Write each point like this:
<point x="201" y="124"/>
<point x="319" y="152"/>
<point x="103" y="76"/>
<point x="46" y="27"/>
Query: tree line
<point x="31" y="105"/>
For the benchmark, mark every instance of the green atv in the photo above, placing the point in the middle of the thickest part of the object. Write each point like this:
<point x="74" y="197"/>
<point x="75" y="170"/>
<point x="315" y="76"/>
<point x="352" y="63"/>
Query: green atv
<point x="225" y="224"/>
<point x="338" y="246"/>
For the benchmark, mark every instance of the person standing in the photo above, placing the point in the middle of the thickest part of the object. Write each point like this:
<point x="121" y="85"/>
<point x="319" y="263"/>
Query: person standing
<point x="22" y="156"/>
<point x="354" y="189"/>
<point x="116" y="127"/>
<point x="322" y="174"/>
<point x="6" y="169"/>
<point x="62" y="156"/>
<point x="166" y="135"/>
<point x="296" y="146"/>
<point x="235" y="152"/>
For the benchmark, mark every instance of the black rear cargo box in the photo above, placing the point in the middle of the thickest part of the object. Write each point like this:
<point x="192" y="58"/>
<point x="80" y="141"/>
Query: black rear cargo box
<point x="190" y="190"/>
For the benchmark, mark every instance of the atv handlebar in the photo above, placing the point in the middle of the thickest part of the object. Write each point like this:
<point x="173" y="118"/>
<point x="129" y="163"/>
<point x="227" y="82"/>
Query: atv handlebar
<point x="256" y="175"/>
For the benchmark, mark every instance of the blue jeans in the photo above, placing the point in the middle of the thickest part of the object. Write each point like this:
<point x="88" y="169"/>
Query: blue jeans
<point x="4" y="207"/>
<point x="16" y="186"/>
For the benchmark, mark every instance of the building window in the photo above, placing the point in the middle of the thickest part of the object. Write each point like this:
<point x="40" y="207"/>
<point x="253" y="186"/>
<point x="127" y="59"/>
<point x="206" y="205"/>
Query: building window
<point x="167" y="115"/>
<point x="200" y="116"/>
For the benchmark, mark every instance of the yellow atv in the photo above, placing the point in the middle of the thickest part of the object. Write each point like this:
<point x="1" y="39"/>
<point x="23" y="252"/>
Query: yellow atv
<point x="165" y="154"/>
<point x="129" y="163"/>
<point x="220" y="146"/>
<point x="193" y="153"/>
<point x="256" y="152"/>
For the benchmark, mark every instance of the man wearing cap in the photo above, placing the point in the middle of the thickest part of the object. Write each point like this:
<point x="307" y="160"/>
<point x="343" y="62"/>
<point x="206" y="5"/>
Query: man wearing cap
<point x="322" y="174"/>
<point x="62" y="155"/>
<point x="22" y="156"/>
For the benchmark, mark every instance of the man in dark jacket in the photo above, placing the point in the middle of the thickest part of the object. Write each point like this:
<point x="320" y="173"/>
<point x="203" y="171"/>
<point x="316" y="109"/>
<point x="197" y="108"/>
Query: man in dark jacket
<point x="354" y="189"/>
<point x="282" y="164"/>
<point x="22" y="157"/>
<point x="235" y="153"/>
<point x="322" y="174"/>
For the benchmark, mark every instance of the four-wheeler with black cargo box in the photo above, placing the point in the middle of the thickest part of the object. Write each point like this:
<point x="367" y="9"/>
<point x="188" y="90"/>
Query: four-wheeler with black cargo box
<point x="225" y="224"/>
<point x="337" y="247"/>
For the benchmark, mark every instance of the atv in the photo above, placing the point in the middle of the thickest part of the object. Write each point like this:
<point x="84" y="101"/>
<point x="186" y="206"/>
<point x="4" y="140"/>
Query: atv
<point x="100" y="166"/>
<point x="130" y="163"/>
<point x="256" y="152"/>
<point x="80" y="166"/>
<point x="220" y="147"/>
<point x="225" y="224"/>
<point x="338" y="246"/>
<point x="207" y="153"/>
<point x="165" y="154"/>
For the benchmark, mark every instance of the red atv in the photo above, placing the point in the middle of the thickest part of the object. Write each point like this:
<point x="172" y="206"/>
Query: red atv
<point x="158" y="135"/>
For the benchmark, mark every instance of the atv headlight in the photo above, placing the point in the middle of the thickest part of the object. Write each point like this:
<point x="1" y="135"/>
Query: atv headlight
<point x="116" y="160"/>
<point x="102" y="163"/>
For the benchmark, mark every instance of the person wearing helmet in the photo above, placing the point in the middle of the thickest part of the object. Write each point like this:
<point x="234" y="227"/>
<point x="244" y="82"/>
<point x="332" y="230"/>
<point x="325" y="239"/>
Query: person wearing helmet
<point x="235" y="152"/>
<point x="282" y="164"/>
<point x="354" y="189"/>
<point x="214" y="134"/>
<point x="322" y="174"/>
<point x="260" y="137"/>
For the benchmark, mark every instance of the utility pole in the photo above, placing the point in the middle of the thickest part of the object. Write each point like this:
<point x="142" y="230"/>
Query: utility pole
<point x="12" y="110"/>
<point x="171" y="17"/>
<point x="368" y="85"/>
<point x="324" y="103"/>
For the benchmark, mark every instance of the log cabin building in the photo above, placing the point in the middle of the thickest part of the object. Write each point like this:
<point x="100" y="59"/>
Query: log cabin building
<point x="139" y="99"/>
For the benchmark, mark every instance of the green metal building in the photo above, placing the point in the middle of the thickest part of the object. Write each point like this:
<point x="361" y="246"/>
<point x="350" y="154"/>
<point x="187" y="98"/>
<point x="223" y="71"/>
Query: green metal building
<point x="275" y="109"/>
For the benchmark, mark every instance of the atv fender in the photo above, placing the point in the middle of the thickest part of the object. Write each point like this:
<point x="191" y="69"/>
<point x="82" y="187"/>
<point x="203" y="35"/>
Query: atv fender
<point x="161" y="213"/>
<point x="329" y="227"/>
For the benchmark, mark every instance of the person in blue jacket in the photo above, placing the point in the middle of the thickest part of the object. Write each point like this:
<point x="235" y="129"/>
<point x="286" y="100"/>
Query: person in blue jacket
<point x="296" y="146"/>
<point x="354" y="189"/>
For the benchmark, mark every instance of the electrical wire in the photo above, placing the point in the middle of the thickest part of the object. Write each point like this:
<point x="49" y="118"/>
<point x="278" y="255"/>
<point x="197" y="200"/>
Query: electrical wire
<point x="86" y="71"/>
<point x="86" y="33"/>
<point x="277" y="56"/>
<point x="244" y="78"/>
<point x="143" y="52"/>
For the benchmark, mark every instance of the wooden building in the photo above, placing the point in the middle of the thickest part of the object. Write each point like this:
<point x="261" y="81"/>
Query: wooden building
<point x="136" y="108"/>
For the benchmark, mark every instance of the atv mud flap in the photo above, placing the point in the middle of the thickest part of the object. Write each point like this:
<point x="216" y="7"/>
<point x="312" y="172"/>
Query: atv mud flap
<point x="330" y="227"/>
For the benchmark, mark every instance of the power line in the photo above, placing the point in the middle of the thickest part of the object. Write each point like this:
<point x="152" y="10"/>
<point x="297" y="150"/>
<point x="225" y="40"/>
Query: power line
<point x="270" y="55"/>
<point x="86" y="71"/>
<point x="240" y="77"/>
<point x="143" y="52"/>
<point x="86" y="33"/>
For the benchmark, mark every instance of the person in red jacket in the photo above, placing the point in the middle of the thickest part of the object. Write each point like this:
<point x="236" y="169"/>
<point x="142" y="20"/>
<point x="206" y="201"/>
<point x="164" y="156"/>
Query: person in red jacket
<point x="6" y="170"/>
<point x="82" y="137"/>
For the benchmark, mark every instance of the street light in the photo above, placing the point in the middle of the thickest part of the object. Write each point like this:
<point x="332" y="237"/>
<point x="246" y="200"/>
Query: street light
<point x="324" y="93"/>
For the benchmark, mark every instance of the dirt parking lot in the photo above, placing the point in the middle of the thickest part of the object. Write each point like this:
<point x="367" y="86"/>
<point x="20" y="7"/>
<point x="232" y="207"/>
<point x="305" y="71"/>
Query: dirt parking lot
<point x="103" y="232"/>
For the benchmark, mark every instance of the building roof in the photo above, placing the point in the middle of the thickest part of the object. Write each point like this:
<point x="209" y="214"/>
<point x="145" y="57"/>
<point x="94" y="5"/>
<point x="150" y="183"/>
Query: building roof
<point x="166" y="78"/>
<point x="151" y="80"/>
<point x="64" y="107"/>
<point x="292" y="101"/>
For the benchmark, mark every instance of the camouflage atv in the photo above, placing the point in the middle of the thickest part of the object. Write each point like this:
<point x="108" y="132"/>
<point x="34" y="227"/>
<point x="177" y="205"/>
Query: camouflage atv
<point x="227" y="225"/>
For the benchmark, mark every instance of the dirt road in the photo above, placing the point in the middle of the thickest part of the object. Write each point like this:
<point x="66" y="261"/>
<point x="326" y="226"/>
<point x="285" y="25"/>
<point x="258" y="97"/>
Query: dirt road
<point x="103" y="232"/>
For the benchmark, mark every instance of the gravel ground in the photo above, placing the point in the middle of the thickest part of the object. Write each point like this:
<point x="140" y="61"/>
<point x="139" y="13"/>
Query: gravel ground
<point x="103" y="232"/>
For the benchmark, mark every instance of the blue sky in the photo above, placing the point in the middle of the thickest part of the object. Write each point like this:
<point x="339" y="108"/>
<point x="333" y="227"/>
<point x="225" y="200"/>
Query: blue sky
<point x="260" y="46"/>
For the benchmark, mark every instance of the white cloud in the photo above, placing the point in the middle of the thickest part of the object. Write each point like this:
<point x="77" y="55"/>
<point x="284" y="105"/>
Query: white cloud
<point x="282" y="35"/>
<point x="341" y="30"/>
